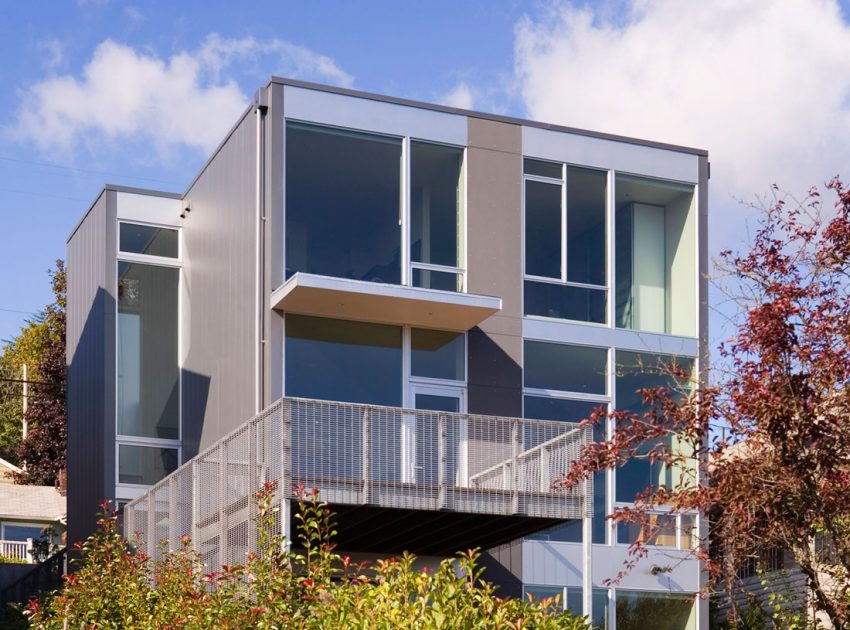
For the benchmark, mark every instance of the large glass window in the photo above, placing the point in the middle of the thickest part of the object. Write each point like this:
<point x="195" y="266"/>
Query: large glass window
<point x="145" y="465"/>
<point x="435" y="204"/>
<point x="343" y="203"/>
<point x="564" y="367"/>
<point x="438" y="354"/>
<point x="332" y="359"/>
<point x="148" y="373"/>
<point x="565" y="251"/>
<point x="637" y="371"/>
<point x="656" y="256"/>
<point x="146" y="239"/>
<point x="639" y="610"/>
<point x="570" y="598"/>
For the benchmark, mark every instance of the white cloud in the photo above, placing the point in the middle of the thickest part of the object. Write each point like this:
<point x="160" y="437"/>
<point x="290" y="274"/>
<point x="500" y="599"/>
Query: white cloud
<point x="460" y="96"/>
<point x="53" y="53"/>
<point x="126" y="95"/>
<point x="764" y="86"/>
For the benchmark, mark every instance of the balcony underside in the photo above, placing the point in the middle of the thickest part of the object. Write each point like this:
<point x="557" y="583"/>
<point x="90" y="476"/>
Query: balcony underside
<point x="372" y="529"/>
<point x="342" y="298"/>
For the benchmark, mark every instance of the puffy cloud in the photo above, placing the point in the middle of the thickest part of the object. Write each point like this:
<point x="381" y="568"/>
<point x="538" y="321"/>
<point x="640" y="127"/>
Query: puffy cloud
<point x="764" y="86"/>
<point x="127" y="95"/>
<point x="460" y="96"/>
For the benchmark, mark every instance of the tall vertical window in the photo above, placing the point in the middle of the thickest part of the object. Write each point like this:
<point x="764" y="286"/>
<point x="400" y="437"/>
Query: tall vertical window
<point x="656" y="256"/>
<point x="635" y="372"/>
<point x="565" y="253"/>
<point x="436" y="216"/>
<point x="372" y="207"/>
<point x="567" y="382"/>
<point x="148" y="373"/>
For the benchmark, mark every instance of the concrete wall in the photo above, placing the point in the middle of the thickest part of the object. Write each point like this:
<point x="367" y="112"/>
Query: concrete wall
<point x="494" y="254"/>
<point x="90" y="355"/>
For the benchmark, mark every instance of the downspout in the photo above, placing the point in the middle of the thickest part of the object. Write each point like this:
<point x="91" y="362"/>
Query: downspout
<point x="260" y="109"/>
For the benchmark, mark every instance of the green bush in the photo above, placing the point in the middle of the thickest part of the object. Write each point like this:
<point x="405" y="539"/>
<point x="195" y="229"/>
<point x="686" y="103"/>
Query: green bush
<point x="278" y="588"/>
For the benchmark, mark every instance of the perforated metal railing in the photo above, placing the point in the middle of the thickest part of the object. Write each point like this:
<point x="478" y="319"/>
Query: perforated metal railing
<point x="361" y="455"/>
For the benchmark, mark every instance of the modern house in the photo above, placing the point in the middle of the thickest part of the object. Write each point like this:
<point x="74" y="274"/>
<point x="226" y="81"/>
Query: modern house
<point x="409" y="307"/>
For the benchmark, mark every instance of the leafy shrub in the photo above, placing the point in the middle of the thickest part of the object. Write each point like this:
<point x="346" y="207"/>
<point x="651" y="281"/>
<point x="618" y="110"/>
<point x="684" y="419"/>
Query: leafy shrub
<point x="279" y="588"/>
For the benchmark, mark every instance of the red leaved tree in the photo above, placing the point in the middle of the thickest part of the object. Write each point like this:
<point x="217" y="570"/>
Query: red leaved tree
<point x="780" y="475"/>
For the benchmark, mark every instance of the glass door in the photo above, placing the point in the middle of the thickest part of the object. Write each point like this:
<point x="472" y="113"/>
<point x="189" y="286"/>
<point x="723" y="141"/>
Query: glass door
<point x="436" y="438"/>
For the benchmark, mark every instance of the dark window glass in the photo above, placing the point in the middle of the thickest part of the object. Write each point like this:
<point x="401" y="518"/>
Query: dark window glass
<point x="332" y="359"/>
<point x="586" y="226"/>
<point x="637" y="371"/>
<point x="542" y="408"/>
<point x="430" y="430"/>
<point x="19" y="533"/>
<point x="148" y="374"/>
<point x="548" y="299"/>
<point x="600" y="605"/>
<point x="435" y="211"/>
<point x="541" y="168"/>
<point x="440" y="280"/>
<point x="542" y="229"/>
<point x="145" y="239"/>
<point x="564" y="367"/>
<point x="145" y="465"/>
<point x="638" y="610"/>
<point x="343" y="195"/>
<point x="438" y="354"/>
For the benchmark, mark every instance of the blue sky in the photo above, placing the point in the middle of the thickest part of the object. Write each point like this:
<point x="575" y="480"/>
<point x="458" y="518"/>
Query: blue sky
<point x="763" y="86"/>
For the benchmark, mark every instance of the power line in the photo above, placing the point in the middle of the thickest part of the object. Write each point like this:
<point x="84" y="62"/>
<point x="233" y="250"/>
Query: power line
<point x="14" y="310"/>
<point x="85" y="170"/>
<point x="25" y="382"/>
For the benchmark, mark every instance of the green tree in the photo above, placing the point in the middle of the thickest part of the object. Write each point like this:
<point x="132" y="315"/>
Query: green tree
<point x="40" y="346"/>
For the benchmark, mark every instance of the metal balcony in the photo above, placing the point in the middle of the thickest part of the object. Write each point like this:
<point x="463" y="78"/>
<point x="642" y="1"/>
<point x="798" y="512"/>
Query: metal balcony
<point x="397" y="479"/>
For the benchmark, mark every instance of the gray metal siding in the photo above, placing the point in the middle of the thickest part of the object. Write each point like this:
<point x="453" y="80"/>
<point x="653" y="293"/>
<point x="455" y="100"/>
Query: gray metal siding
<point x="219" y="292"/>
<point x="90" y="355"/>
<point x="494" y="260"/>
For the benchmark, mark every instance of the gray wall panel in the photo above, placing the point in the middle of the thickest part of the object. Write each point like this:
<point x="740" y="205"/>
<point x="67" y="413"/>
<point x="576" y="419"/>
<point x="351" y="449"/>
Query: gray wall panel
<point x="219" y="292"/>
<point x="494" y="245"/>
<point x="90" y="353"/>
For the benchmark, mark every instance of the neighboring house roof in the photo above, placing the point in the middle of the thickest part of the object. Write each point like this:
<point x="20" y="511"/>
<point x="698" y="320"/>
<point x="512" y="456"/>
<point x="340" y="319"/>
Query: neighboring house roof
<point x="32" y="503"/>
<point x="6" y="470"/>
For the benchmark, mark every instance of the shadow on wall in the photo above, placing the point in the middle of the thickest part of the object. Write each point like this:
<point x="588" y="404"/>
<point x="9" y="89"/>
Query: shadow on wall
<point x="91" y="417"/>
<point x="495" y="379"/>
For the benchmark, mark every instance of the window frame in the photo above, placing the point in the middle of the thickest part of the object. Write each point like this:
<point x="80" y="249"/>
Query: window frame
<point x="563" y="281"/>
<point x="405" y="174"/>
<point x="127" y="490"/>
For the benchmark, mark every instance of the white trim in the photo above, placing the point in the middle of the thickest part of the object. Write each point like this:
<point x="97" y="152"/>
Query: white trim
<point x="134" y="207"/>
<point x="569" y="148"/>
<point x="146" y="259"/>
<point x="404" y="209"/>
<point x="377" y="116"/>
<point x="566" y="394"/>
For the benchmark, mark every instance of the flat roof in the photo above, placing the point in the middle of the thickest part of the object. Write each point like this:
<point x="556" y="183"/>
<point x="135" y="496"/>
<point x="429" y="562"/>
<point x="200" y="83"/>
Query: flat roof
<point x="486" y="116"/>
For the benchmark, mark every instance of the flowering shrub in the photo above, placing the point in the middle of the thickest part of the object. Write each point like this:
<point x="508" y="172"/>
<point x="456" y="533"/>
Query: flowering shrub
<point x="279" y="588"/>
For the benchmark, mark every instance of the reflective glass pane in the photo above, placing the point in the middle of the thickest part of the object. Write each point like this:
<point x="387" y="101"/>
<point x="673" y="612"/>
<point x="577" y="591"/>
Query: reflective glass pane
<point x="541" y="168"/>
<point x="438" y="354"/>
<point x="586" y="191"/>
<point x="145" y="239"/>
<point x="148" y="375"/>
<point x="565" y="367"/>
<point x="542" y="408"/>
<point x="547" y="299"/>
<point x="20" y="533"/>
<point x="542" y="229"/>
<point x="332" y="359"/>
<point x="440" y="280"/>
<point x="600" y="605"/>
<point x="637" y="371"/>
<point x="554" y="595"/>
<point x="660" y="530"/>
<point x="343" y="195"/>
<point x="637" y="610"/>
<point x="145" y="465"/>
<point x="689" y="531"/>
<point x="656" y="256"/>
<point x="435" y="204"/>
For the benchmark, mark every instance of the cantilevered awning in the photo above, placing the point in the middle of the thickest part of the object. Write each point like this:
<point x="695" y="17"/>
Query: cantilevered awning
<point x="342" y="298"/>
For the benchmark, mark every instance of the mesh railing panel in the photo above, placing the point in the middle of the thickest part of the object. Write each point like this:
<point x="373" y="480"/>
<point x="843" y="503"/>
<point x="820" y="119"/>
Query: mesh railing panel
<point x="360" y="455"/>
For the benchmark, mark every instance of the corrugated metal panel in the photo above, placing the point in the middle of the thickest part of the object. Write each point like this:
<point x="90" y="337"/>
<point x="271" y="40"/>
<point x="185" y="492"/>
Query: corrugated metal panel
<point x="90" y="355"/>
<point x="219" y="292"/>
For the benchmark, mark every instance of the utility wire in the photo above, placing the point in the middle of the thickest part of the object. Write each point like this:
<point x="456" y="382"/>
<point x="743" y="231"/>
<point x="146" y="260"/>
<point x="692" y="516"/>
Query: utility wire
<point x="19" y="380"/>
<point x="85" y="170"/>
<point x="14" y="310"/>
